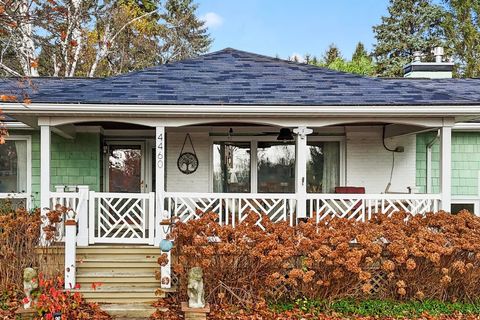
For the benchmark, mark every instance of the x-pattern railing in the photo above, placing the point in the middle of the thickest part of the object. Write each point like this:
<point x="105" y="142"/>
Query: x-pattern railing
<point x="362" y="207"/>
<point x="231" y="208"/>
<point x="122" y="217"/>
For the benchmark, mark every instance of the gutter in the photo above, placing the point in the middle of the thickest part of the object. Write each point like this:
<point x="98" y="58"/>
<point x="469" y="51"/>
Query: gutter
<point x="467" y="126"/>
<point x="233" y="110"/>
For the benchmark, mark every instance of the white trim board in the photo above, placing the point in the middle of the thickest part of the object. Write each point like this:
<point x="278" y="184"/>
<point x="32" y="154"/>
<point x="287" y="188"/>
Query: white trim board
<point x="275" y="110"/>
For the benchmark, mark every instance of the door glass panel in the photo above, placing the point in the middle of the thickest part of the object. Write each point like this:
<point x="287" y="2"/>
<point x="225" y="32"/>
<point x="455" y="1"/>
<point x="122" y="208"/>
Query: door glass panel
<point x="125" y="168"/>
<point x="13" y="166"/>
<point x="231" y="167"/>
<point x="323" y="166"/>
<point x="276" y="167"/>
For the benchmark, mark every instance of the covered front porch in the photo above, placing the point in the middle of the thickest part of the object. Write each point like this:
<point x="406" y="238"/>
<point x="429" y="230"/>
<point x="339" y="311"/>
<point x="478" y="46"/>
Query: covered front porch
<point x="332" y="167"/>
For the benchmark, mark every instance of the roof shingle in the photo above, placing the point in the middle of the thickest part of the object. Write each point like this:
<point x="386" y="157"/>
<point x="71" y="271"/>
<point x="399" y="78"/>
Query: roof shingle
<point x="233" y="77"/>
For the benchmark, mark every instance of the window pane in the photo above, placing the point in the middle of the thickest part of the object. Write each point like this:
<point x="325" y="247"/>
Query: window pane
<point x="323" y="166"/>
<point x="276" y="167"/>
<point x="125" y="168"/>
<point x="457" y="207"/>
<point x="13" y="166"/>
<point x="231" y="166"/>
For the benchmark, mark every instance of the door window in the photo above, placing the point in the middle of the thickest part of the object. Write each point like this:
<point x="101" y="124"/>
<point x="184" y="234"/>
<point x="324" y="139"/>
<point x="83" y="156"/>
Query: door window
<point x="125" y="168"/>
<point x="323" y="166"/>
<point x="276" y="167"/>
<point x="231" y="167"/>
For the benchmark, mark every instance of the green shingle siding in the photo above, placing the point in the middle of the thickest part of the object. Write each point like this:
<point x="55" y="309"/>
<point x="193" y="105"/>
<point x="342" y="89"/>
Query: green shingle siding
<point x="465" y="162"/>
<point x="73" y="162"/>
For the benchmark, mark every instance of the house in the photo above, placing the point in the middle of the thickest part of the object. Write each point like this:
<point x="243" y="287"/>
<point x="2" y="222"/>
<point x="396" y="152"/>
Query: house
<point x="233" y="132"/>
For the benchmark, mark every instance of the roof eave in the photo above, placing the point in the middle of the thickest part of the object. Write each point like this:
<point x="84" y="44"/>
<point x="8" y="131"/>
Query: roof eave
<point x="241" y="110"/>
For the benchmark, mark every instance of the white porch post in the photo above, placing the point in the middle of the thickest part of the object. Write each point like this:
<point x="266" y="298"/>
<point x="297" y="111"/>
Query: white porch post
<point x="45" y="132"/>
<point x="159" y="181"/>
<point x="301" y="170"/>
<point x="161" y="230"/>
<point x="70" y="253"/>
<point x="446" y="167"/>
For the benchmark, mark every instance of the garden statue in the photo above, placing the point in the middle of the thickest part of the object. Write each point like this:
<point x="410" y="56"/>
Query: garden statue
<point x="195" y="291"/>
<point x="29" y="284"/>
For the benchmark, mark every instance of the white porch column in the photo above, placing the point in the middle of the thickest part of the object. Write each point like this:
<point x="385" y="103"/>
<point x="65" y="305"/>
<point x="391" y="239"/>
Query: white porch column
<point x="446" y="167"/>
<point x="45" y="132"/>
<point x="301" y="170"/>
<point x="159" y="182"/>
<point x="161" y="229"/>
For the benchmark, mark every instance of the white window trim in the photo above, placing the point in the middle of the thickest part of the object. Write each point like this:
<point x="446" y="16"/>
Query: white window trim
<point x="28" y="193"/>
<point x="468" y="200"/>
<point x="254" y="160"/>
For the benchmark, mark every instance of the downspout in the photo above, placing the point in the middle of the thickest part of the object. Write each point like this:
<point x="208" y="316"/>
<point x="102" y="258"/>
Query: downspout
<point x="429" y="162"/>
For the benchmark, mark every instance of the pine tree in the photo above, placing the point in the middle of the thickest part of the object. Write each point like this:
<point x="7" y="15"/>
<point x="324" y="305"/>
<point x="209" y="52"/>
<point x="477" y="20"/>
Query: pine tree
<point x="462" y="27"/>
<point x="360" y="52"/>
<point x="184" y="34"/>
<point x="412" y="25"/>
<point x="332" y="54"/>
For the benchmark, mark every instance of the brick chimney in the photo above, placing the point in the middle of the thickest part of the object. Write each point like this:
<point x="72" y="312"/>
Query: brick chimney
<point x="440" y="69"/>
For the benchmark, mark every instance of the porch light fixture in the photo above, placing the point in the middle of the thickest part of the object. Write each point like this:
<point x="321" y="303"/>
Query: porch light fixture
<point x="285" y="135"/>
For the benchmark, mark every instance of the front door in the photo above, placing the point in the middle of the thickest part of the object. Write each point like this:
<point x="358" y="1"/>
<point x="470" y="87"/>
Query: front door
<point x="125" y="212"/>
<point x="125" y="167"/>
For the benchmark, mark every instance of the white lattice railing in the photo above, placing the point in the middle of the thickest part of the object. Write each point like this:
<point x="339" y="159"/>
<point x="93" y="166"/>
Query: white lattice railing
<point x="361" y="207"/>
<point x="121" y="217"/>
<point x="76" y="201"/>
<point x="231" y="208"/>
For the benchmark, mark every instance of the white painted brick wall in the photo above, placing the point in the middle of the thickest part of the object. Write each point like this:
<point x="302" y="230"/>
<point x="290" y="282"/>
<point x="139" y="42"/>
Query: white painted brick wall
<point x="369" y="164"/>
<point x="199" y="181"/>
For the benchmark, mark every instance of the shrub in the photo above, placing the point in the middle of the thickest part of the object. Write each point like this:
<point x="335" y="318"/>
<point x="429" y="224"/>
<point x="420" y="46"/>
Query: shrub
<point x="19" y="248"/>
<point x="19" y="236"/>
<point x="401" y="257"/>
<point x="52" y="298"/>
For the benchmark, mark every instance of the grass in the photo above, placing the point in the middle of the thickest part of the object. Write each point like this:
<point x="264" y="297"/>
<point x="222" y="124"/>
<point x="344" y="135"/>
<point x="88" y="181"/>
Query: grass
<point x="381" y="308"/>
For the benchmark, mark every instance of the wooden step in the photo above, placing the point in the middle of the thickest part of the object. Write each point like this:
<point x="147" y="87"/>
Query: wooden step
<point x="117" y="263"/>
<point x="119" y="256"/>
<point x="109" y="277"/>
<point x="127" y="294"/>
<point x="104" y="250"/>
<point x="129" y="310"/>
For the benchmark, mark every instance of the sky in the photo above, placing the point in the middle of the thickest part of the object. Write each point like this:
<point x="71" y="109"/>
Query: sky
<point x="288" y="27"/>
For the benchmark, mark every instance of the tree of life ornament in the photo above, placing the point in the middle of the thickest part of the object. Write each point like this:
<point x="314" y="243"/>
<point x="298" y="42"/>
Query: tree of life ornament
<point x="187" y="162"/>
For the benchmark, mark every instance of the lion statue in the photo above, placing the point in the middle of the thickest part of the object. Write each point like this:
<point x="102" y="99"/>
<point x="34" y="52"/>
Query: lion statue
<point x="29" y="284"/>
<point x="195" y="290"/>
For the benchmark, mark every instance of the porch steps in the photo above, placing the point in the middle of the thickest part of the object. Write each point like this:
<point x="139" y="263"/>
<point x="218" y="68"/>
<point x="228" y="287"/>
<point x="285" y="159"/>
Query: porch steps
<point x="120" y="278"/>
<point x="129" y="310"/>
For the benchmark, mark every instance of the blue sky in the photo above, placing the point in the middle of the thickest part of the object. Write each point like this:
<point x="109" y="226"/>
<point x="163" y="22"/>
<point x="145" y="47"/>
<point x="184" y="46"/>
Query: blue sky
<point x="287" y="27"/>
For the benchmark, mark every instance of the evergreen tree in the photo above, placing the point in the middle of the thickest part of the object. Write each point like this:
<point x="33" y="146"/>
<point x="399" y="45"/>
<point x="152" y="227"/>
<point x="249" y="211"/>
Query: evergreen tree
<point x="411" y="25"/>
<point x="183" y="34"/>
<point x="462" y="27"/>
<point x="332" y="54"/>
<point x="360" y="52"/>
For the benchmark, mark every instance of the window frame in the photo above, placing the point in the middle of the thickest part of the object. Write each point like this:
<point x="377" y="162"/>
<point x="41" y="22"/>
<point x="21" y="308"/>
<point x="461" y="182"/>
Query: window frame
<point x="253" y="140"/>
<point x="28" y="193"/>
<point x="468" y="200"/>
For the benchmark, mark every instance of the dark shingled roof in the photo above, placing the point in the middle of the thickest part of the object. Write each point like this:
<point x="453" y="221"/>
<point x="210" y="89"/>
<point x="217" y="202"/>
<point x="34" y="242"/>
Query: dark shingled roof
<point x="233" y="77"/>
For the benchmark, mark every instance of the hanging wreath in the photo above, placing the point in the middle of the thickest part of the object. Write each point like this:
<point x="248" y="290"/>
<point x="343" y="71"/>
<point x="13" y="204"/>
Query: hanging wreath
<point x="187" y="162"/>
